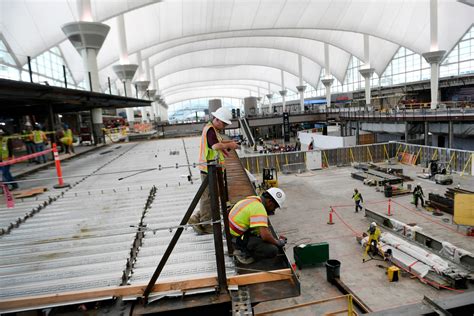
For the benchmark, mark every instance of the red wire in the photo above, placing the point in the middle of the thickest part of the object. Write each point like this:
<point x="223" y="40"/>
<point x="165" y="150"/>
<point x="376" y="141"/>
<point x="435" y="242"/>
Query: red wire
<point x="431" y="220"/>
<point x="356" y="233"/>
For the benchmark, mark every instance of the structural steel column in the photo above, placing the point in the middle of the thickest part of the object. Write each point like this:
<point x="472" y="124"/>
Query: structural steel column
<point x="450" y="135"/>
<point x="426" y="133"/>
<point x="366" y="71"/>
<point x="357" y="132"/>
<point x="283" y="91"/>
<point x="406" y="131"/>
<point x="301" y="88"/>
<point x="141" y="84"/>
<point x="269" y="97"/>
<point x="87" y="37"/>
<point x="434" y="56"/>
<point x="125" y="71"/>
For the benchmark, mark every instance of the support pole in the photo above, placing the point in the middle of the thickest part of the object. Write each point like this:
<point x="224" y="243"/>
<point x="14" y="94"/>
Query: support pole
<point x="175" y="238"/>
<point x="29" y="69"/>
<point x="224" y="198"/>
<point x="216" y="218"/>
<point x="64" y="76"/>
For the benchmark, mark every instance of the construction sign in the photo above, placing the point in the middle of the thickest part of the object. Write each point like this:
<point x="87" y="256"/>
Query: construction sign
<point x="464" y="209"/>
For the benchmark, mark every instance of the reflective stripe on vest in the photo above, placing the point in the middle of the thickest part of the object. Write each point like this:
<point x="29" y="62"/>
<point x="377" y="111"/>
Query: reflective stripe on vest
<point x="239" y="221"/>
<point x="206" y="153"/>
<point x="4" y="149"/>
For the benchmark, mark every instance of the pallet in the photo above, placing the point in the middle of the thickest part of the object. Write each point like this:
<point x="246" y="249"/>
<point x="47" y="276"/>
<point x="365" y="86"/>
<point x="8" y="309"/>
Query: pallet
<point x="29" y="192"/>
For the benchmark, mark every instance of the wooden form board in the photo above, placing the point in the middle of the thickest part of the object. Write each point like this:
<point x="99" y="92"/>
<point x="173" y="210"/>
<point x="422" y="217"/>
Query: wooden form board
<point x="138" y="290"/>
<point x="464" y="209"/>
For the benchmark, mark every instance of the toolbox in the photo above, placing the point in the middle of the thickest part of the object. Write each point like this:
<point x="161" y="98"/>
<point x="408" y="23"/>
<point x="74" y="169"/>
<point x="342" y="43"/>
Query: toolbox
<point x="310" y="254"/>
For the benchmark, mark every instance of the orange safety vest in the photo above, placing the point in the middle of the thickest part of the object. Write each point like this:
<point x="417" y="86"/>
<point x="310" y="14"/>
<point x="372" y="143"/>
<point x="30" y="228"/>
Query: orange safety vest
<point x="206" y="153"/>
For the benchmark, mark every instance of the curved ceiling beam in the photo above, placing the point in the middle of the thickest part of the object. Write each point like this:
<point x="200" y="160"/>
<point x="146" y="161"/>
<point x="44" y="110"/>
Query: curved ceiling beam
<point x="263" y="85"/>
<point x="288" y="62"/>
<point x="198" y="94"/>
<point x="260" y="73"/>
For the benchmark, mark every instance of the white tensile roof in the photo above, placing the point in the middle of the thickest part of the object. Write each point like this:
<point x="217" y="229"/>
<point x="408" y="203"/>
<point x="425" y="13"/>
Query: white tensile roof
<point x="238" y="45"/>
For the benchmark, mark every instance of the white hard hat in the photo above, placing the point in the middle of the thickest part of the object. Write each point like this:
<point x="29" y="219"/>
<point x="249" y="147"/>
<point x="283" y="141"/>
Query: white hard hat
<point x="278" y="195"/>
<point x="418" y="184"/>
<point x="223" y="114"/>
<point x="373" y="224"/>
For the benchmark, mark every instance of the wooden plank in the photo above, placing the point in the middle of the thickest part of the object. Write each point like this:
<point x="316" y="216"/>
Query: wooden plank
<point x="29" y="193"/>
<point x="131" y="290"/>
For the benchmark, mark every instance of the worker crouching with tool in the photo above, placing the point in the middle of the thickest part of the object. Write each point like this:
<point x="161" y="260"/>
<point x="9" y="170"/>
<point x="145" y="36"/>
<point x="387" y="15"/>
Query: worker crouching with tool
<point x="373" y="242"/>
<point x="248" y="224"/>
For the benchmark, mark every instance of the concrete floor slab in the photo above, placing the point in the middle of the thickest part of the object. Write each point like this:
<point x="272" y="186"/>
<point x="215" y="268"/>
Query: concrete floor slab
<point x="304" y="220"/>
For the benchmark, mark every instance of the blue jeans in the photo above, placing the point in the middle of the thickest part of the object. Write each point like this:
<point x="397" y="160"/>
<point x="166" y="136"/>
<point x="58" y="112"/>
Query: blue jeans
<point x="30" y="149"/>
<point x="40" y="147"/>
<point x="7" y="176"/>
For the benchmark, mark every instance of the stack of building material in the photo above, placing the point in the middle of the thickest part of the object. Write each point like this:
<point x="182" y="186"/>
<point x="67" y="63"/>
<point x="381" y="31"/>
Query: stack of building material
<point x="429" y="267"/>
<point x="446" y="203"/>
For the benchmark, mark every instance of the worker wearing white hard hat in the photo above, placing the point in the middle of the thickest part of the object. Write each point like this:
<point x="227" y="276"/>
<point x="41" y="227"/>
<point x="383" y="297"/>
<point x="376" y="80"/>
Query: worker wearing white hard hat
<point x="374" y="237"/>
<point x="248" y="225"/>
<point x="211" y="147"/>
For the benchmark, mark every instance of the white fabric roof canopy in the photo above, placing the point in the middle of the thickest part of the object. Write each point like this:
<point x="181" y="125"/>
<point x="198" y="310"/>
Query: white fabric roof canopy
<point x="180" y="36"/>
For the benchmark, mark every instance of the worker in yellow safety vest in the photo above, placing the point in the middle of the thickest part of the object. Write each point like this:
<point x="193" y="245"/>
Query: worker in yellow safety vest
<point x="373" y="241"/>
<point x="66" y="140"/>
<point x="6" y="153"/>
<point x="211" y="147"/>
<point x="39" y="138"/>
<point x="248" y="225"/>
<point x="357" y="199"/>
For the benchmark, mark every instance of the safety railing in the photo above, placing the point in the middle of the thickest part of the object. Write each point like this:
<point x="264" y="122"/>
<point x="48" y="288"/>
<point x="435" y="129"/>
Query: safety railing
<point x="256" y="163"/>
<point x="410" y="114"/>
<point x="455" y="160"/>
<point x="329" y="157"/>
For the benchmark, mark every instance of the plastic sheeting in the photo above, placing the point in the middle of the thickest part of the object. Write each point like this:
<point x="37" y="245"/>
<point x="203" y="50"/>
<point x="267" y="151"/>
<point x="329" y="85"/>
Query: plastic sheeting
<point x="453" y="252"/>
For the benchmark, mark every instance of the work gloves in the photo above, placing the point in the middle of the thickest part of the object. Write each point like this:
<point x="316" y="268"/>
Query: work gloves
<point x="282" y="241"/>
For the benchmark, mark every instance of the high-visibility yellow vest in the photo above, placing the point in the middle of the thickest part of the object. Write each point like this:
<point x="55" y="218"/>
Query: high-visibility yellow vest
<point x="67" y="139"/>
<point x="38" y="137"/>
<point x="357" y="196"/>
<point x="374" y="236"/>
<point x="4" y="148"/>
<point x="206" y="153"/>
<point x="247" y="214"/>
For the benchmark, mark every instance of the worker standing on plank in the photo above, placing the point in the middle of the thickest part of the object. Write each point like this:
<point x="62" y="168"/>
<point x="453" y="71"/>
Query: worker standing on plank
<point x="248" y="225"/>
<point x="357" y="199"/>
<point x="212" y="147"/>
<point x="374" y="236"/>
<point x="418" y="194"/>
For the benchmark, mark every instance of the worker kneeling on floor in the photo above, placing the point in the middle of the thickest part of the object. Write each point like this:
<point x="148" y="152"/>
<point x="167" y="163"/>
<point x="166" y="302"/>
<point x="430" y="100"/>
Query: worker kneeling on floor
<point x="248" y="224"/>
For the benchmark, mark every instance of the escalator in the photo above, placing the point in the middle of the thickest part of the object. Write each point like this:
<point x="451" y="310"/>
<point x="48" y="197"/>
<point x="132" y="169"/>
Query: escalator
<point x="245" y="128"/>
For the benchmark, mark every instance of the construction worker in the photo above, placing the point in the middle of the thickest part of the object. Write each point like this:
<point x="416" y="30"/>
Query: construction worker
<point x="27" y="139"/>
<point x="6" y="153"/>
<point x="311" y="144"/>
<point x="357" y="199"/>
<point x="418" y="194"/>
<point x="248" y="225"/>
<point x="374" y="236"/>
<point x="39" y="138"/>
<point x="212" y="147"/>
<point x="66" y="140"/>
